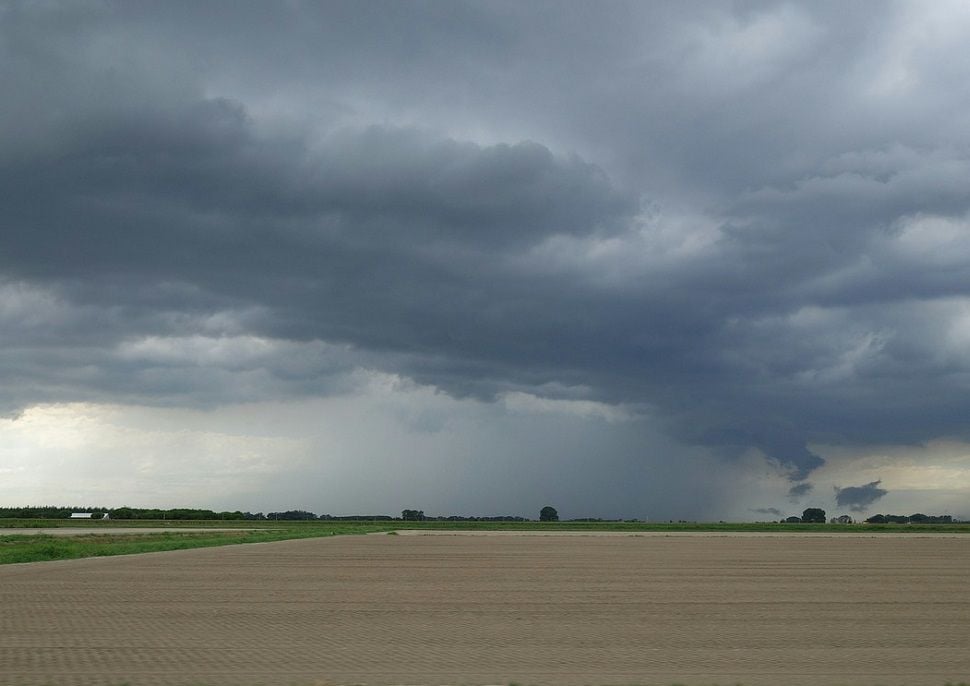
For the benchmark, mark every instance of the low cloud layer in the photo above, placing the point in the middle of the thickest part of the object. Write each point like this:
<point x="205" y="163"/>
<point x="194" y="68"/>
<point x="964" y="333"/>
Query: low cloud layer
<point x="748" y="221"/>
<point x="859" y="498"/>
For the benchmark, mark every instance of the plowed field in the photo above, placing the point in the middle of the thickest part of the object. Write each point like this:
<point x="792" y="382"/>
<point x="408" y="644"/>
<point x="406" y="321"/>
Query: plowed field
<point x="463" y="609"/>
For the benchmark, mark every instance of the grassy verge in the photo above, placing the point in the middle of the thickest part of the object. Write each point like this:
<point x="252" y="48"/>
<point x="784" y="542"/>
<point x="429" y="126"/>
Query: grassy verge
<point x="143" y="523"/>
<point x="346" y="527"/>
<point x="44" y="547"/>
<point x="40" y="547"/>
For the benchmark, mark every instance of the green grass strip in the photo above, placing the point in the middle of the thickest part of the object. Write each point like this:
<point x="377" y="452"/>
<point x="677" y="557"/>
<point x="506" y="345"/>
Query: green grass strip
<point x="45" y="547"/>
<point x="41" y="547"/>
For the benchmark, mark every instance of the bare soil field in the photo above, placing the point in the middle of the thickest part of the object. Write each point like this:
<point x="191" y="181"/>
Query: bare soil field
<point x="471" y="609"/>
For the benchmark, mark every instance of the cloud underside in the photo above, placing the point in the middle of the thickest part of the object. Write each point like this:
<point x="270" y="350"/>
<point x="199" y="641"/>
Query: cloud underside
<point x="859" y="498"/>
<point x="190" y="225"/>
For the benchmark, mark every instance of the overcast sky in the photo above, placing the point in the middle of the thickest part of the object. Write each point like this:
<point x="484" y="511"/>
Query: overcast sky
<point x="655" y="260"/>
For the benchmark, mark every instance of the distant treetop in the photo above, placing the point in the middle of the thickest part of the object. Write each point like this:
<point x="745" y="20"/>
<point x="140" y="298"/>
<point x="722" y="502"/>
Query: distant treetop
<point x="548" y="514"/>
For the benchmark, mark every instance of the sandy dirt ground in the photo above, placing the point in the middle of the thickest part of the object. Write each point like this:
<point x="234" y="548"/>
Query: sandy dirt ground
<point x="563" y="610"/>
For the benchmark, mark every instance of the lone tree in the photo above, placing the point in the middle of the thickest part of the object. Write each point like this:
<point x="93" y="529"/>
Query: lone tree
<point x="412" y="515"/>
<point x="813" y="515"/>
<point x="548" y="514"/>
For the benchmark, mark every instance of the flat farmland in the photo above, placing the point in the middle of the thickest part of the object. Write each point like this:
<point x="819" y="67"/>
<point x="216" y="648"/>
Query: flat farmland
<point x="469" y="609"/>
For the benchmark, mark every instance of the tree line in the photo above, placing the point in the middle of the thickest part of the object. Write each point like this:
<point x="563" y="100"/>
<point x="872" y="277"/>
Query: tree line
<point x="58" y="512"/>
<point x="128" y="513"/>
<point x="816" y="515"/>
<point x="812" y="515"/>
<point x="917" y="518"/>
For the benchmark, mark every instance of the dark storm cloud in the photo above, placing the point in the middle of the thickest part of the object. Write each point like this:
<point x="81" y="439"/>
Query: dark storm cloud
<point x="747" y="217"/>
<point x="859" y="498"/>
<point x="800" y="490"/>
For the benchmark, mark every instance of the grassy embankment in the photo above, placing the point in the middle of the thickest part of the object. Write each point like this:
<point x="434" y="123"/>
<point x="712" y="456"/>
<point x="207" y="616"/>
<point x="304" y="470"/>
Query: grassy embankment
<point x="35" y="548"/>
<point x="44" y="547"/>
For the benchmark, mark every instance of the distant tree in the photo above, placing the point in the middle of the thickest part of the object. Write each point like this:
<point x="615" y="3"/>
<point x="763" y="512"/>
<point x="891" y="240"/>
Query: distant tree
<point x="292" y="515"/>
<point x="548" y="514"/>
<point x="842" y="519"/>
<point x="793" y="520"/>
<point x="813" y="515"/>
<point x="412" y="515"/>
<point x="876" y="519"/>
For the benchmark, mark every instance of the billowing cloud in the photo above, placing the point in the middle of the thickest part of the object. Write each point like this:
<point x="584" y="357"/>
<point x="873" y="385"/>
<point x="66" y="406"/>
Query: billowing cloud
<point x="859" y="498"/>
<point x="747" y="221"/>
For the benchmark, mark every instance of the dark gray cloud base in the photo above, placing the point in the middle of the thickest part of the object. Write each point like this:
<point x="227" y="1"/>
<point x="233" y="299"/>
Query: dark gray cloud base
<point x="800" y="490"/>
<point x="782" y="267"/>
<point x="859" y="498"/>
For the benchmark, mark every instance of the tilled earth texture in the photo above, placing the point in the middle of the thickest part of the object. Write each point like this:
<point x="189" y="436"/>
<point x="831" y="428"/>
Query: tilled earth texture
<point x="465" y="609"/>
